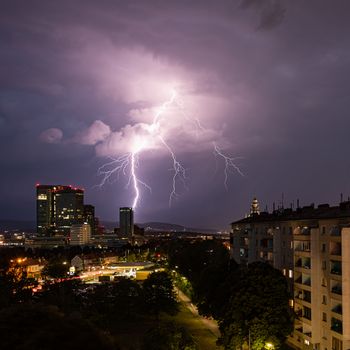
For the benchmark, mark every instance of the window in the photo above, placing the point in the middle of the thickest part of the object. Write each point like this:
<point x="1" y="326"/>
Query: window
<point x="324" y="299"/>
<point x="290" y="230"/>
<point x="290" y="273"/>
<point x="307" y="313"/>
<point x="323" y="247"/>
<point x="324" y="317"/>
<point x="324" y="265"/>
<point x="284" y="272"/>
<point x="323" y="230"/>
<point x="337" y="344"/>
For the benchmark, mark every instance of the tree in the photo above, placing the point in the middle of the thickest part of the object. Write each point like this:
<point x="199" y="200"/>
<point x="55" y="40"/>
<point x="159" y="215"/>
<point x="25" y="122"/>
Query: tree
<point x="207" y="267"/>
<point x="56" y="269"/>
<point x="159" y="293"/>
<point x="64" y="295"/>
<point x="15" y="287"/>
<point x="127" y="298"/>
<point x="258" y="309"/>
<point x="168" y="336"/>
<point x="34" y="327"/>
<point x="213" y="290"/>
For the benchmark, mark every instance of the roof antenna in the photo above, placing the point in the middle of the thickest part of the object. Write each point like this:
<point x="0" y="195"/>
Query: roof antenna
<point x="298" y="204"/>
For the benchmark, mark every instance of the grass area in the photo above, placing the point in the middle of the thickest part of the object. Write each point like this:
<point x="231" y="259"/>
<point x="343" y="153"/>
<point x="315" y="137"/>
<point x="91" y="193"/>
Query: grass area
<point x="129" y="334"/>
<point x="203" y="337"/>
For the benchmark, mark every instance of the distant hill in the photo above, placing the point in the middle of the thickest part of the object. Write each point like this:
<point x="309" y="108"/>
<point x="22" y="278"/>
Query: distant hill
<point x="30" y="226"/>
<point x="161" y="226"/>
<point x="11" y="225"/>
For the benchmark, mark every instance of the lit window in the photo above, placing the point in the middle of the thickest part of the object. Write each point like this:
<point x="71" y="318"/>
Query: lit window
<point x="290" y="273"/>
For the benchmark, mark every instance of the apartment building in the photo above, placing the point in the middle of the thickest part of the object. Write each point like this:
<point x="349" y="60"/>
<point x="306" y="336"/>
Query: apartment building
<point x="311" y="246"/>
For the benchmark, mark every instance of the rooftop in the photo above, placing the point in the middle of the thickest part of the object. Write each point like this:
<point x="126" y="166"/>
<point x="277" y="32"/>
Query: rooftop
<point x="321" y="212"/>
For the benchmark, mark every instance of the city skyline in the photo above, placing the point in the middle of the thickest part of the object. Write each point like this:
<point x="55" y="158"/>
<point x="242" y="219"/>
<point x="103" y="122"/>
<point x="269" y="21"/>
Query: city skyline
<point x="267" y="82"/>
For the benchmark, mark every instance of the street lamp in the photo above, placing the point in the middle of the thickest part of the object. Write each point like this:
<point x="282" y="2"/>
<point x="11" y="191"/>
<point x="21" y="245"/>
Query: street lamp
<point x="269" y="346"/>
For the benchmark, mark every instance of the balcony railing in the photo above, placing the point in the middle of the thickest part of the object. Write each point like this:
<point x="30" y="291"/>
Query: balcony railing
<point x="307" y="282"/>
<point x="337" y="290"/>
<point x="338" y="309"/>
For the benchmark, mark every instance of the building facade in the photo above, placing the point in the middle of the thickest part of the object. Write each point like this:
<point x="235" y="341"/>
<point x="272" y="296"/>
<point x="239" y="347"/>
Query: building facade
<point x="126" y="222"/>
<point x="80" y="234"/>
<point x="58" y="208"/>
<point x="311" y="246"/>
<point x="89" y="217"/>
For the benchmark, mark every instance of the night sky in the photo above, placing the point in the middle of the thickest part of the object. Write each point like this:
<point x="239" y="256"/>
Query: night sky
<point x="269" y="82"/>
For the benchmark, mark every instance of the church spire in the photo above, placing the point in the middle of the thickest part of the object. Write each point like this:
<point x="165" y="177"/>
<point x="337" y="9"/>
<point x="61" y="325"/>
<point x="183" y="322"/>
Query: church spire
<point x="254" y="208"/>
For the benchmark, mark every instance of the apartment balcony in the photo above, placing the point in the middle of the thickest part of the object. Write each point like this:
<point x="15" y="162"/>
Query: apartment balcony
<point x="337" y="325"/>
<point x="337" y="289"/>
<point x="304" y="263"/>
<point x="336" y="268"/>
<point x="304" y="281"/>
<point x="335" y="231"/>
<point x="338" y="309"/>
<point x="335" y="248"/>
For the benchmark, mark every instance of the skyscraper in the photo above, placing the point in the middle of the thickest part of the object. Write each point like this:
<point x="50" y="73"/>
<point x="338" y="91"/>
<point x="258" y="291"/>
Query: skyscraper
<point x="89" y="217"/>
<point x="44" y="209"/>
<point x="68" y="208"/>
<point x="126" y="221"/>
<point x="58" y="208"/>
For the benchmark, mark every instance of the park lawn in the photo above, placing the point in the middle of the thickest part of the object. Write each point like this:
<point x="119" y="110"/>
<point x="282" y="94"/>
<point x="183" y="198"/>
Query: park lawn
<point x="203" y="337"/>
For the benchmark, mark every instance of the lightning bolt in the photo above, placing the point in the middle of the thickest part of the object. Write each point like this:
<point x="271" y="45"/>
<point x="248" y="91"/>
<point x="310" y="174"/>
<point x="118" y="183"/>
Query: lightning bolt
<point x="127" y="164"/>
<point x="229" y="163"/>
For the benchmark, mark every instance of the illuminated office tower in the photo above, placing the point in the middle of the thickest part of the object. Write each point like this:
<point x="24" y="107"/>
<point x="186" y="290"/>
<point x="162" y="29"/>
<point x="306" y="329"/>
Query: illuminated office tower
<point x="44" y="209"/>
<point x="58" y="208"/>
<point x="126" y="221"/>
<point x="69" y="208"/>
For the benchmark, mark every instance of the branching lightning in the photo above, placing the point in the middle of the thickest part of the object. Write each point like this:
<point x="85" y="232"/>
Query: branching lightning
<point x="229" y="163"/>
<point x="127" y="164"/>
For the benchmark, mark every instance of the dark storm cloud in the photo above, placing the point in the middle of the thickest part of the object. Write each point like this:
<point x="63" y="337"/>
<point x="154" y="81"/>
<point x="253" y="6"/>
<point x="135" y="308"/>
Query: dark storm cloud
<point x="270" y="77"/>
<point x="271" y="12"/>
